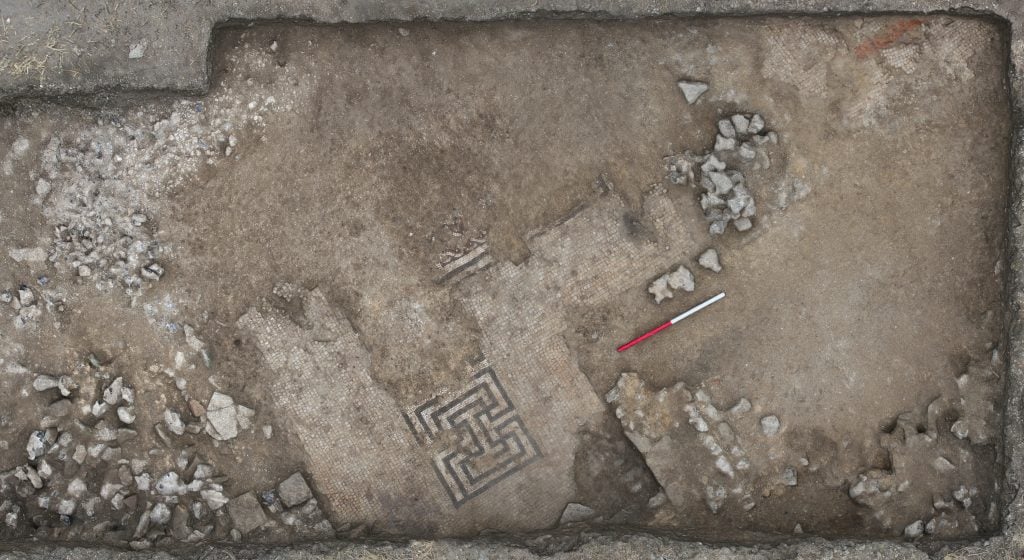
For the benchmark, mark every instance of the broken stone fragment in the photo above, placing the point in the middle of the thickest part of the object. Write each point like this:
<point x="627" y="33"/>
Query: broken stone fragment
<point x="714" y="497"/>
<point x="747" y="152"/>
<point x="681" y="279"/>
<point x="709" y="260"/>
<point x="66" y="385"/>
<point x="960" y="429"/>
<point x="109" y="489"/>
<point x="36" y="446"/>
<point x="964" y="495"/>
<point x="245" y="416"/>
<point x="246" y="512"/>
<point x="737" y="203"/>
<point x="44" y="383"/>
<point x="712" y="163"/>
<point x="214" y="499"/>
<point x="32" y="476"/>
<point x="77" y="488"/>
<point x="770" y="425"/>
<point x="914" y="530"/>
<point x="709" y="201"/>
<point x="26" y="296"/>
<point x="756" y="124"/>
<point x="742" y="224"/>
<point x="192" y="340"/>
<point x="126" y="414"/>
<point x="875" y="487"/>
<point x="137" y="50"/>
<point x="66" y="507"/>
<point x="726" y="129"/>
<point x="160" y="514"/>
<point x="680" y="170"/>
<point x="789" y="476"/>
<point x="979" y="389"/>
<point x="42" y="188"/>
<point x="99" y="408"/>
<point x="170" y="485"/>
<point x="723" y="184"/>
<point x="294" y="491"/>
<point x="221" y="417"/>
<point x="203" y="471"/>
<point x="112" y="393"/>
<point x="104" y="432"/>
<point x="659" y="289"/>
<point x="740" y="123"/>
<point x="575" y="513"/>
<point x="743" y="406"/>
<point x="30" y="255"/>
<point x="692" y="90"/>
<point x="152" y="271"/>
<point x="723" y="144"/>
<point x="173" y="421"/>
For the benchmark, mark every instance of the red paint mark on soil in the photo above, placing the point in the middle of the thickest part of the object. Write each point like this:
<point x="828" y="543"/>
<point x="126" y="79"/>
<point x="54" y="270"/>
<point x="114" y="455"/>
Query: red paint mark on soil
<point x="886" y="38"/>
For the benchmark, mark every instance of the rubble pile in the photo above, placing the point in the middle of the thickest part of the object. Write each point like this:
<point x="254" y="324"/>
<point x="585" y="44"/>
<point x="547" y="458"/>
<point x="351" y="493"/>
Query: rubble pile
<point x="27" y="304"/>
<point x="745" y="460"/>
<point x="289" y="510"/>
<point x="88" y="473"/>
<point x="725" y="198"/>
<point x="100" y="185"/>
<point x="921" y="453"/>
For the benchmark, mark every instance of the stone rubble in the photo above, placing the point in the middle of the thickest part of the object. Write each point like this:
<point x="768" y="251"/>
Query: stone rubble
<point x="674" y="427"/>
<point x="86" y="477"/>
<point x="28" y="306"/>
<point x="28" y="255"/>
<point x="679" y="279"/>
<point x="692" y="90"/>
<point x="100" y="184"/>
<point x="979" y="392"/>
<point x="246" y="513"/>
<point x="224" y="418"/>
<point x="294" y="491"/>
<point x="741" y="141"/>
<point x="922" y="454"/>
<point x="709" y="260"/>
<point x="137" y="50"/>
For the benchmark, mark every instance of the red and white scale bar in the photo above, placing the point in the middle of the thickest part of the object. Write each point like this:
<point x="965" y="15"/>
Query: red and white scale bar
<point x="671" y="322"/>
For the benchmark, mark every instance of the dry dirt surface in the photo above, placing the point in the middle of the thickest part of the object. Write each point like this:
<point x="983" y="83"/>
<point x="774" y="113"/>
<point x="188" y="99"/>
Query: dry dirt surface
<point x="373" y="283"/>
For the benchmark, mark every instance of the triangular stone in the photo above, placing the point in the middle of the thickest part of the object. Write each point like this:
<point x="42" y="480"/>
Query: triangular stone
<point x="692" y="90"/>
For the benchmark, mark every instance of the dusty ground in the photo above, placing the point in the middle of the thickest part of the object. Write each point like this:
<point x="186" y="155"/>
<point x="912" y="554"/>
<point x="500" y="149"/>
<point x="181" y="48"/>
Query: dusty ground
<point x="870" y="282"/>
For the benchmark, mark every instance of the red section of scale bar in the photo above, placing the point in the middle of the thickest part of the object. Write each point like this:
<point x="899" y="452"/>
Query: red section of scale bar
<point x="644" y="336"/>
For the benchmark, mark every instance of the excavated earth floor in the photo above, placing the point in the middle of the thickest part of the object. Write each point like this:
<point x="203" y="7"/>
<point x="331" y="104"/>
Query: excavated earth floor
<point x="372" y="284"/>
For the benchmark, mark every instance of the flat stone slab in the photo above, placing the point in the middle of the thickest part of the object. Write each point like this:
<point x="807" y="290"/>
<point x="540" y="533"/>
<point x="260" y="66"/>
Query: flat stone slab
<point x="246" y="513"/>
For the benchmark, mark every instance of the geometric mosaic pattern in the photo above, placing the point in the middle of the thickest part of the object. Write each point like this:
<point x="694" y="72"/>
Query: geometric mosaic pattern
<point x="480" y="435"/>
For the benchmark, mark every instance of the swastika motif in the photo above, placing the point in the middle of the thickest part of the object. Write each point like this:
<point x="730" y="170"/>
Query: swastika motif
<point x="481" y="438"/>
